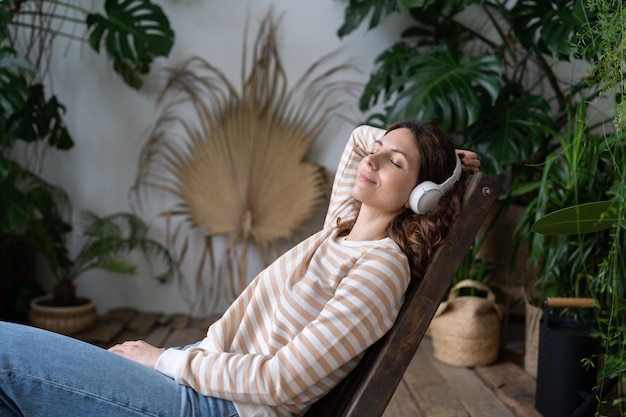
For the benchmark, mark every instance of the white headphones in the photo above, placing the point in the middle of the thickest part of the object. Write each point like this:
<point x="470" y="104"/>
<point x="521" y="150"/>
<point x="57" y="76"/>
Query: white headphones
<point x="426" y="195"/>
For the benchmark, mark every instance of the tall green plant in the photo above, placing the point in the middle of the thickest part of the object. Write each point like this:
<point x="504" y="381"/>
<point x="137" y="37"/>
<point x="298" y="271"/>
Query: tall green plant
<point x="581" y="172"/>
<point x="491" y="77"/>
<point x="607" y="216"/>
<point x="34" y="213"/>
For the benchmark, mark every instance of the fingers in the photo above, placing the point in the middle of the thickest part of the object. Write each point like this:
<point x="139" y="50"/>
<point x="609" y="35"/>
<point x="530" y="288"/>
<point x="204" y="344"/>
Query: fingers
<point x="138" y="351"/>
<point x="469" y="160"/>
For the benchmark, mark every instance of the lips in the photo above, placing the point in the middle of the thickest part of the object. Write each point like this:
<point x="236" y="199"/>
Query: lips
<point x="364" y="176"/>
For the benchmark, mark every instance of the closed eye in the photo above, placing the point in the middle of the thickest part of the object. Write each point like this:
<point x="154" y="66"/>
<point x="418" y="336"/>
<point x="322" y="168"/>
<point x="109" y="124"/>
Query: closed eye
<point x="376" y="149"/>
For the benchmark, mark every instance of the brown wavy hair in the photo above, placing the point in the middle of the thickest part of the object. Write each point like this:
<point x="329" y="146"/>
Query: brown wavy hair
<point x="418" y="235"/>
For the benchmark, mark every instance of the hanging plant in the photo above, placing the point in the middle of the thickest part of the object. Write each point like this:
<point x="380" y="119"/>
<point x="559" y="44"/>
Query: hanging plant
<point x="235" y="164"/>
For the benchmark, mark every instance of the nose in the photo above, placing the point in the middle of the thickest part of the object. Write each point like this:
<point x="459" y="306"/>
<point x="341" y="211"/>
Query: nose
<point x="371" y="161"/>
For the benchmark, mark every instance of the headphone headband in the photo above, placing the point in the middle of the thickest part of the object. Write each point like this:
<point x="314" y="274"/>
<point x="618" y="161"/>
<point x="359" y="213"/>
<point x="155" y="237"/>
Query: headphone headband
<point x="456" y="176"/>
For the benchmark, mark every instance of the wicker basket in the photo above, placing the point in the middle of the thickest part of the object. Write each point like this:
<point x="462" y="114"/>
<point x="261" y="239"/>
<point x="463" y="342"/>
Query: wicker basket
<point x="466" y="329"/>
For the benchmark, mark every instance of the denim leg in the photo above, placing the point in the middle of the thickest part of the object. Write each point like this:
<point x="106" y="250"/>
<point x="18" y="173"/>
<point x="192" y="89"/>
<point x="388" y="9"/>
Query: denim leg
<point x="46" y="374"/>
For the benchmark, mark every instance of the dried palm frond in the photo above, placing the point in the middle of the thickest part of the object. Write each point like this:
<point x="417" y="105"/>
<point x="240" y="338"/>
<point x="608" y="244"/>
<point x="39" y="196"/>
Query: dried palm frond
<point x="235" y="164"/>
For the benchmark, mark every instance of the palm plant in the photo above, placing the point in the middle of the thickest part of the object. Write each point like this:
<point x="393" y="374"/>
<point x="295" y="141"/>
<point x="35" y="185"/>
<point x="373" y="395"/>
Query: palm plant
<point x="235" y="165"/>
<point x="105" y="241"/>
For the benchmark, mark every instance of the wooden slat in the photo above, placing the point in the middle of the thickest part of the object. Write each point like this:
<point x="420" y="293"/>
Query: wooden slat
<point x="122" y="314"/>
<point x="434" y="397"/>
<point x="199" y="323"/>
<point x="402" y="404"/>
<point x="102" y="332"/>
<point x="512" y="385"/>
<point x="477" y="399"/>
<point x="143" y="323"/>
<point x="137" y="328"/>
<point x="184" y="337"/>
<point x="123" y="336"/>
<point x="178" y="321"/>
<point x="158" y="336"/>
<point x="108" y="327"/>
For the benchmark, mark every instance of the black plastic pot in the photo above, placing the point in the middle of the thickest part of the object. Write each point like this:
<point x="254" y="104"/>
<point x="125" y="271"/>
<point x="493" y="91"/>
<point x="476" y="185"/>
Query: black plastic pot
<point x="563" y="382"/>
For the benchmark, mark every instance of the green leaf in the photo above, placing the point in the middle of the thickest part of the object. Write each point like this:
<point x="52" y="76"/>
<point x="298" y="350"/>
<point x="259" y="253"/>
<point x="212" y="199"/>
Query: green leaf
<point x="439" y="86"/>
<point x="116" y="265"/>
<point x="14" y="91"/>
<point x="582" y="218"/>
<point x="40" y="119"/>
<point x="133" y="32"/>
<point x="513" y="129"/>
<point x="108" y="238"/>
<point x="552" y="27"/>
<point x="358" y="10"/>
<point x="523" y="188"/>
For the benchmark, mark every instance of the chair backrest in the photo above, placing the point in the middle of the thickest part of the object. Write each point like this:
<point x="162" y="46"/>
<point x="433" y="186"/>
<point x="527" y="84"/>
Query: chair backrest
<point x="367" y="390"/>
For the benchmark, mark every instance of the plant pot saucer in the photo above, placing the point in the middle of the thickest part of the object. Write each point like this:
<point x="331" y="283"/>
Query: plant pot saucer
<point x="61" y="319"/>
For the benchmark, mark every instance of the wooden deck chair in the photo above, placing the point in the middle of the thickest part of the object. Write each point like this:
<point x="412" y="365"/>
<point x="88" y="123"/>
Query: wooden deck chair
<point x="367" y="390"/>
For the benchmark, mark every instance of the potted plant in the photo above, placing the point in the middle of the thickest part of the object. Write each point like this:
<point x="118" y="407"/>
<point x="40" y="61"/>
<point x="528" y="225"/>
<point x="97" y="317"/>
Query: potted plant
<point x="582" y="222"/>
<point x="105" y="242"/>
<point x="580" y="171"/>
<point x="581" y="252"/>
<point x="33" y="212"/>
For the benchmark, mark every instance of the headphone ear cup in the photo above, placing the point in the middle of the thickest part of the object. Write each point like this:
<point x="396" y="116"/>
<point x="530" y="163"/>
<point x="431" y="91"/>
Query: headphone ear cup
<point x="424" y="197"/>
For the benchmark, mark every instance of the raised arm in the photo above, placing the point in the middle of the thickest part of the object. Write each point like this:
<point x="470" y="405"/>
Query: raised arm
<point x="341" y="202"/>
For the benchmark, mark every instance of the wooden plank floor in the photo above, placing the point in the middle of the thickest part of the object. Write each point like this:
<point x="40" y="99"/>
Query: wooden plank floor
<point x="429" y="388"/>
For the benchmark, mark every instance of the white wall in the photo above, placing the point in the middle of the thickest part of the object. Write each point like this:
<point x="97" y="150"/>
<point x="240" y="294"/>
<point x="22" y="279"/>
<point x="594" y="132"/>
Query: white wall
<point x="108" y="119"/>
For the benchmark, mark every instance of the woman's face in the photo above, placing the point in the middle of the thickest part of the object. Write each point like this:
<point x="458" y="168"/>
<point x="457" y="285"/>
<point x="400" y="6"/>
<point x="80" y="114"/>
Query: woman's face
<point x="387" y="175"/>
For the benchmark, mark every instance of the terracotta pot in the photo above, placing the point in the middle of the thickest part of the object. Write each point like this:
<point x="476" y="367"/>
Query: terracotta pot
<point x="65" y="320"/>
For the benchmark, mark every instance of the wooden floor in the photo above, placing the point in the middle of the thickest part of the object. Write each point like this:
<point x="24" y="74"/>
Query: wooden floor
<point x="435" y="389"/>
<point x="429" y="388"/>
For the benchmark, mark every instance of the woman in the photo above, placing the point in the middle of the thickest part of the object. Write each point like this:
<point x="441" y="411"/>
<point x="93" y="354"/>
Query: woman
<point x="296" y="330"/>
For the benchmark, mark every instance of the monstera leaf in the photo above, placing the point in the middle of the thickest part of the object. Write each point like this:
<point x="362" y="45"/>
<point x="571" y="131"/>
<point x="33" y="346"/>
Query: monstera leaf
<point x="513" y="129"/>
<point x="358" y="10"/>
<point x="440" y="86"/>
<point x="14" y="90"/>
<point x="134" y="32"/>
<point x="41" y="118"/>
<point x="553" y="26"/>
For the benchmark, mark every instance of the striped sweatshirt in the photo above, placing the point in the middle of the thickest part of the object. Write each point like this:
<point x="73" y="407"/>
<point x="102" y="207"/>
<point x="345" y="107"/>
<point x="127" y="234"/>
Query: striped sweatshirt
<point x="303" y="323"/>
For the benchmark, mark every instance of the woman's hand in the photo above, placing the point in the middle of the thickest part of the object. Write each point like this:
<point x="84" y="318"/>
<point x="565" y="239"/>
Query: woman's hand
<point x="469" y="160"/>
<point x="138" y="351"/>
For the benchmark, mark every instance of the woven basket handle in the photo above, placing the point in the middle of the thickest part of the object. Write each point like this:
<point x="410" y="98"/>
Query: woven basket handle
<point x="469" y="283"/>
<point x="570" y="302"/>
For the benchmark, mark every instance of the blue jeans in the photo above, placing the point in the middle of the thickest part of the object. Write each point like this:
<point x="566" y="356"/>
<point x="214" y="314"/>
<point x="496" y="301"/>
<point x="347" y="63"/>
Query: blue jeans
<point x="46" y="374"/>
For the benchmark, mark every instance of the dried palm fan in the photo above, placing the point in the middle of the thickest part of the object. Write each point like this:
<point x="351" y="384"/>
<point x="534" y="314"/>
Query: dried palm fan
<point x="236" y="165"/>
